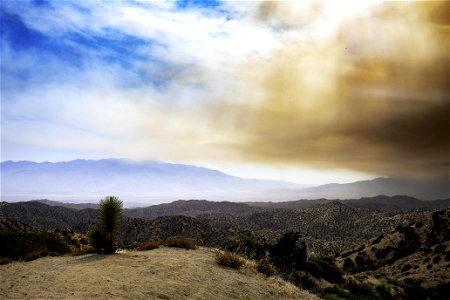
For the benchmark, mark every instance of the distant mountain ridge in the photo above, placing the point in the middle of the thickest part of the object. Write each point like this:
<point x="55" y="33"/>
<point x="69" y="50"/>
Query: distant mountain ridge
<point x="89" y="180"/>
<point x="154" y="182"/>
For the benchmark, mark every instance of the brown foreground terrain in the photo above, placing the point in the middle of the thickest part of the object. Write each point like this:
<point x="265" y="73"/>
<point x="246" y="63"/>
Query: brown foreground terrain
<point x="164" y="273"/>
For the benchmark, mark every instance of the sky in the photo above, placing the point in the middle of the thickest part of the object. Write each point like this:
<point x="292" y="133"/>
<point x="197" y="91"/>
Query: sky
<point x="304" y="91"/>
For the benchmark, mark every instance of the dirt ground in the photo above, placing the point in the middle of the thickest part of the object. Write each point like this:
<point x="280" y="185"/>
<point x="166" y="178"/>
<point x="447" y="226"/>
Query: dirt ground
<point x="164" y="273"/>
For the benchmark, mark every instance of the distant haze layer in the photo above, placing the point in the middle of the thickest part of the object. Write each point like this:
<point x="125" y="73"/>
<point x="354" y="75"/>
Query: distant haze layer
<point x="157" y="182"/>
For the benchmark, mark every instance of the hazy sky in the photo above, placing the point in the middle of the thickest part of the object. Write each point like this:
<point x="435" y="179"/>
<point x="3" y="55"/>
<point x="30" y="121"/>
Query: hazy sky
<point x="305" y="91"/>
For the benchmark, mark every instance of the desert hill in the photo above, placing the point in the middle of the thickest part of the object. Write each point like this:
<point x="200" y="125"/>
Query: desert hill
<point x="415" y="258"/>
<point x="164" y="273"/>
<point x="43" y="216"/>
<point x="191" y="208"/>
<point x="380" y="202"/>
<point x="329" y="228"/>
<point x="403" y="251"/>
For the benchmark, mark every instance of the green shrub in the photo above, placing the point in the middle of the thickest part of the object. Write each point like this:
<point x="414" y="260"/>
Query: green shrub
<point x="289" y="253"/>
<point x="324" y="267"/>
<point x="378" y="239"/>
<point x="360" y="290"/>
<point x="332" y="297"/>
<point x="5" y="260"/>
<point x="30" y="245"/>
<point x="436" y="259"/>
<point x="229" y="260"/>
<point x="97" y="239"/>
<point x="264" y="266"/>
<point x="384" y="291"/>
<point x="406" y="268"/>
<point x="303" y="280"/>
<point x="32" y="256"/>
<point x="247" y="247"/>
<point x="335" y="290"/>
<point x="148" y="245"/>
<point x="102" y="235"/>
<point x="181" y="242"/>
<point x="348" y="264"/>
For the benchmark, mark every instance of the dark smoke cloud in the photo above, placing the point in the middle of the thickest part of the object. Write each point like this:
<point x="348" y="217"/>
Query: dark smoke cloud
<point x="373" y="97"/>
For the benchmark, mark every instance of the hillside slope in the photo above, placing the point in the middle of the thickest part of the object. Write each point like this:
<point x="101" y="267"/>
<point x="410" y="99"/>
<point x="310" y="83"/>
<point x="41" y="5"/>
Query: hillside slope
<point x="414" y="257"/>
<point x="164" y="273"/>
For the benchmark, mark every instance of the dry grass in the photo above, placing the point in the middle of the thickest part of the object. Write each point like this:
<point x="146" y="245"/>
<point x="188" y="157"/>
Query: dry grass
<point x="229" y="260"/>
<point x="181" y="242"/>
<point x="164" y="273"/>
<point x="148" y="245"/>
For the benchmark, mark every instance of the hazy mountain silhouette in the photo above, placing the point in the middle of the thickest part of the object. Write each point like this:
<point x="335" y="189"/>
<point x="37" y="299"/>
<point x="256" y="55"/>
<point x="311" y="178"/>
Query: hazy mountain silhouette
<point x="87" y="180"/>
<point x="141" y="183"/>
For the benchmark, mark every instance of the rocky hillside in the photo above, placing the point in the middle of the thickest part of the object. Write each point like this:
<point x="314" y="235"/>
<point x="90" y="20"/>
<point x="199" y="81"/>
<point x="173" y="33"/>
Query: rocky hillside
<point x="39" y="216"/>
<point x="137" y="230"/>
<point x="44" y="216"/>
<point x="190" y="208"/>
<point x="381" y="202"/>
<point x="328" y="228"/>
<point x="414" y="258"/>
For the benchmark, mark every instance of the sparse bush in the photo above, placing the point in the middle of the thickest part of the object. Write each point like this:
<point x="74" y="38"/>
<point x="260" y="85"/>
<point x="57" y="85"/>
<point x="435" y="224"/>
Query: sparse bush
<point x="181" y="242"/>
<point x="378" y="239"/>
<point x="384" y="291"/>
<point x="335" y="292"/>
<point x="436" y="259"/>
<point x="264" y="266"/>
<point x="413" y="289"/>
<point x="30" y="245"/>
<point x="5" y="260"/>
<point x="301" y="279"/>
<point x="97" y="239"/>
<point x="229" y="260"/>
<point x="32" y="256"/>
<point x="289" y="253"/>
<point x="324" y="267"/>
<point x="247" y="247"/>
<point x="332" y="297"/>
<point x="360" y="290"/>
<point x="149" y="245"/>
<point x="406" y="268"/>
<point x="348" y="264"/>
<point x="439" y="249"/>
<point x="359" y="260"/>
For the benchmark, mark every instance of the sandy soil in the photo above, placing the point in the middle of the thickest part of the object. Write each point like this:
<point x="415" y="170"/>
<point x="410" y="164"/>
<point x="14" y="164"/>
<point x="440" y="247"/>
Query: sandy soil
<point x="164" y="273"/>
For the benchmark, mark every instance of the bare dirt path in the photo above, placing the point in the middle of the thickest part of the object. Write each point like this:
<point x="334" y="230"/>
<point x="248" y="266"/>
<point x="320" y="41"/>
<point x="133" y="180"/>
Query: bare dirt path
<point x="165" y="273"/>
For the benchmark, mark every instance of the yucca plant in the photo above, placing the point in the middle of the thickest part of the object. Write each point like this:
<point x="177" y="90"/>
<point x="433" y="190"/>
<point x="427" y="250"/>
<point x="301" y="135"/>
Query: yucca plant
<point x="108" y="225"/>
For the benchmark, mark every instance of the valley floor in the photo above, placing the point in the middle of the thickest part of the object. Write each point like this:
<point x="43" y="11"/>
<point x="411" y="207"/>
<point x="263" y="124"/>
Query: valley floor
<point x="164" y="273"/>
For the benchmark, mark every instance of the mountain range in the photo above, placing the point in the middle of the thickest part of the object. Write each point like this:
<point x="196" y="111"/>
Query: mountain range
<point x="152" y="182"/>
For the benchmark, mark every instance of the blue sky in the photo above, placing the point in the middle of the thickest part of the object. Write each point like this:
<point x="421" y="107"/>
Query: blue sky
<point x="282" y="90"/>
